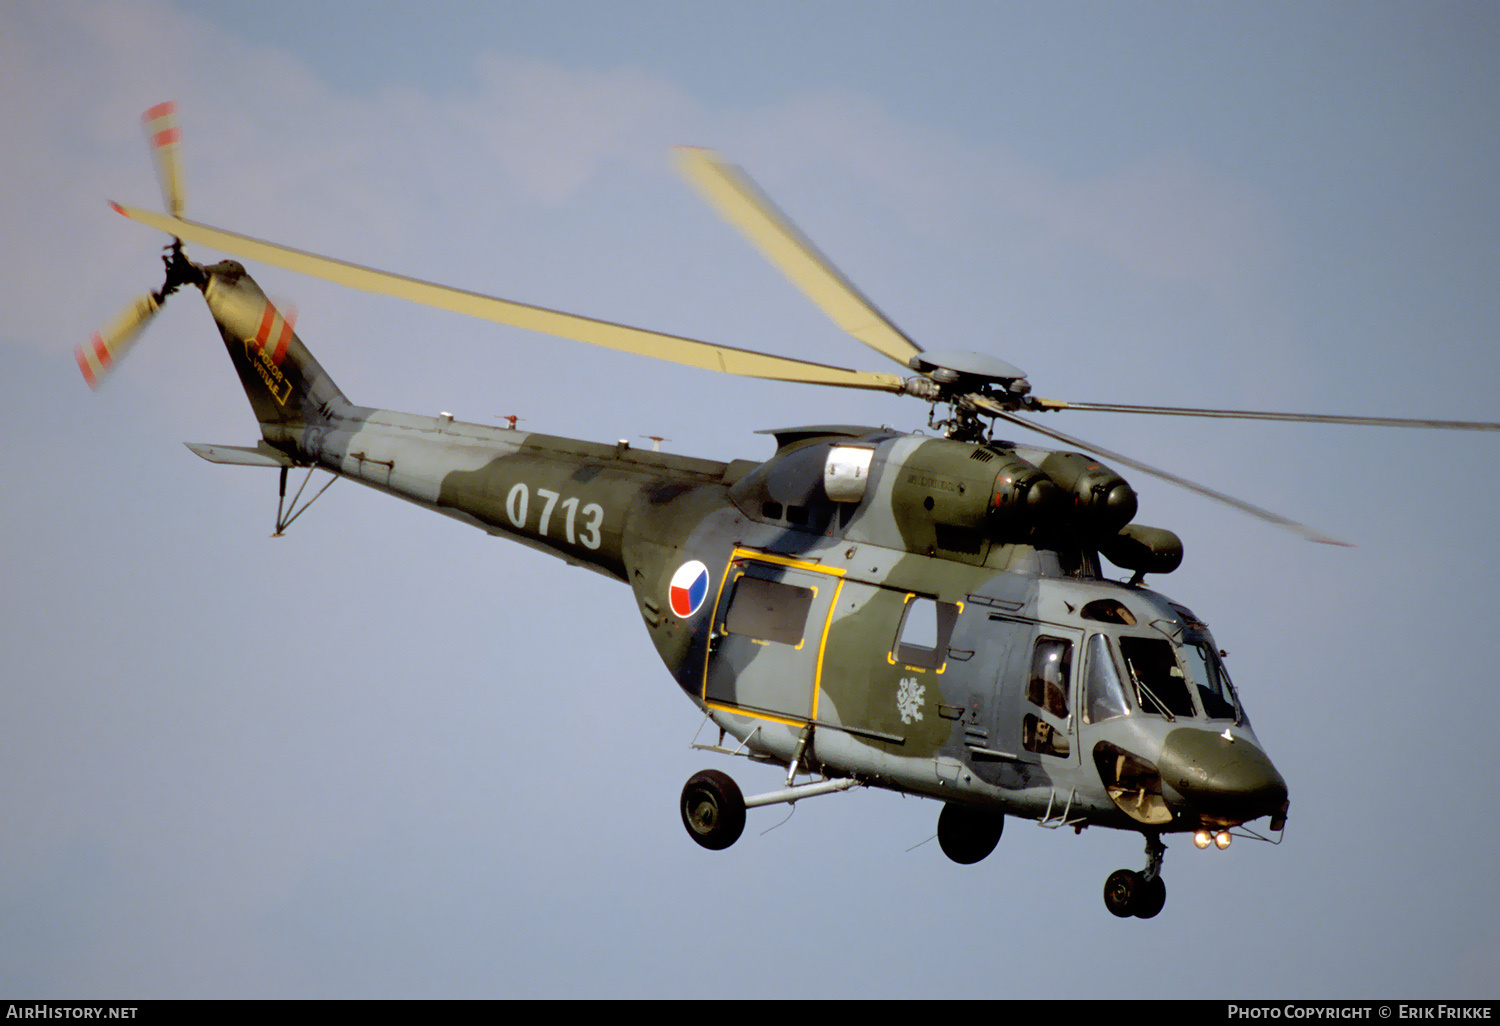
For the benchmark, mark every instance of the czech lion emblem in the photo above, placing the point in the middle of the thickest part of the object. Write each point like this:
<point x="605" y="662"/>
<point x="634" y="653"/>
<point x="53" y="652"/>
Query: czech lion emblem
<point x="909" y="698"/>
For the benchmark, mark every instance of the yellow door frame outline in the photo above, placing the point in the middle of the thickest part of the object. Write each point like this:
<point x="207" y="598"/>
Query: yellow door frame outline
<point x="795" y="564"/>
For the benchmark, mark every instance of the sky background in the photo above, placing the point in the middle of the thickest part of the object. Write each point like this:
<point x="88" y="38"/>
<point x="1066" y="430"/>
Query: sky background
<point x="389" y="756"/>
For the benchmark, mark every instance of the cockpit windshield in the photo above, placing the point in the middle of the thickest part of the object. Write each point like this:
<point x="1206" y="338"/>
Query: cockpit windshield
<point x="1148" y="661"/>
<point x="1159" y="685"/>
<point x="1164" y="677"/>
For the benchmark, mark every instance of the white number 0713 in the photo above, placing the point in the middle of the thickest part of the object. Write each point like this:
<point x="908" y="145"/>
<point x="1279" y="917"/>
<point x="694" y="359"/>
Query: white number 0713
<point x="518" y="505"/>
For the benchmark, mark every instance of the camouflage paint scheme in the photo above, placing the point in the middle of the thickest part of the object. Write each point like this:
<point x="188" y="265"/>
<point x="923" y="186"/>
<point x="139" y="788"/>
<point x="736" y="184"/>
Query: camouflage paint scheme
<point x="937" y="524"/>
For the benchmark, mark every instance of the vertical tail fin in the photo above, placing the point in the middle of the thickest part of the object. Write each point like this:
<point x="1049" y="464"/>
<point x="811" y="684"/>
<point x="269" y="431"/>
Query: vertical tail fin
<point x="288" y="389"/>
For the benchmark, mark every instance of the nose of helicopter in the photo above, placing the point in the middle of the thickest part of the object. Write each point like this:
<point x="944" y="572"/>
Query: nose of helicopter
<point x="1220" y="775"/>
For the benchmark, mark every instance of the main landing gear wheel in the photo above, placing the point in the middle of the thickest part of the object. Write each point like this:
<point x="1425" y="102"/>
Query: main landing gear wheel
<point x="967" y="835"/>
<point x="713" y="809"/>
<point x="1151" y="899"/>
<point x="1128" y="893"/>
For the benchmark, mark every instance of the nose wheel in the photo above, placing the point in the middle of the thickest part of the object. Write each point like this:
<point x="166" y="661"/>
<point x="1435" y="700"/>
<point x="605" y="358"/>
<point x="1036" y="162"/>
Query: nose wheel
<point x="1142" y="895"/>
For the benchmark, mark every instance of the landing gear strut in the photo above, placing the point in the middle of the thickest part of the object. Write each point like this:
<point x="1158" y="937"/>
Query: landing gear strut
<point x="1128" y="893"/>
<point x="713" y="807"/>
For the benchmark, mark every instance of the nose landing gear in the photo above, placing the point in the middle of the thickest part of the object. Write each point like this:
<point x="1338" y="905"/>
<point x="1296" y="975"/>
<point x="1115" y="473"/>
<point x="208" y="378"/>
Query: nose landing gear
<point x="1128" y="893"/>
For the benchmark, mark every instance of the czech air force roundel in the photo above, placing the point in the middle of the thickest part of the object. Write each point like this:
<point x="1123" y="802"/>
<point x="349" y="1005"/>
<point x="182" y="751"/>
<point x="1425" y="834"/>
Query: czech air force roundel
<point x="689" y="588"/>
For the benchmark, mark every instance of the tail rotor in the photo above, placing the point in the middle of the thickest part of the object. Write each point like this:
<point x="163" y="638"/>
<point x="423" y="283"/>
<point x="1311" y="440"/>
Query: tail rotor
<point x="106" y="348"/>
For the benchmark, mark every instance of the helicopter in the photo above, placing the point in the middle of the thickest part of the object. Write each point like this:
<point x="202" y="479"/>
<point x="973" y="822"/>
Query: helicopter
<point x="869" y="607"/>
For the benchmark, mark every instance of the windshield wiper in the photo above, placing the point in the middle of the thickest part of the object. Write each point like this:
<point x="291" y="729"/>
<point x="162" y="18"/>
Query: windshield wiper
<point x="1141" y="689"/>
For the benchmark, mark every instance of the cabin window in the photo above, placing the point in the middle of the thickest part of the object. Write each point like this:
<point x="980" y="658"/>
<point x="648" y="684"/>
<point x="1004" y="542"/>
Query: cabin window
<point x="768" y="610"/>
<point x="1037" y="735"/>
<point x="925" y="630"/>
<point x="1104" y="697"/>
<point x="1160" y="687"/>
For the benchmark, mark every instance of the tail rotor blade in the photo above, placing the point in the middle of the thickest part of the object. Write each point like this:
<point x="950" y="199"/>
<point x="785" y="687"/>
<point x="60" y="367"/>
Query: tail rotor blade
<point x="106" y="348"/>
<point x="165" y="138"/>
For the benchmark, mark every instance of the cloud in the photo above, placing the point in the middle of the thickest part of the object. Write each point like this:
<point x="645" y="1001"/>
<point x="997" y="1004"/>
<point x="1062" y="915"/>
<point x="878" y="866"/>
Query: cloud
<point x="1165" y="217"/>
<point x="550" y="128"/>
<point x="271" y="147"/>
<point x="1168" y="218"/>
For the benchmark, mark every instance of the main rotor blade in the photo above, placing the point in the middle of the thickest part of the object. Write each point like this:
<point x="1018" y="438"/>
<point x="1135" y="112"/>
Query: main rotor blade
<point x="165" y="138"/>
<point x="736" y="198"/>
<point x="1307" y="418"/>
<point x="996" y="410"/>
<point x="674" y="348"/>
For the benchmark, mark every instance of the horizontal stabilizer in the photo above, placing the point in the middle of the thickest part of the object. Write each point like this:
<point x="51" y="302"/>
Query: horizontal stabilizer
<point x="261" y="455"/>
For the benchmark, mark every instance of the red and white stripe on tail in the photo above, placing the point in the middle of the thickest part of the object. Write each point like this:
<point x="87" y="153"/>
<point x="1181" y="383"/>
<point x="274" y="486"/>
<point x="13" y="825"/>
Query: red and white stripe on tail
<point x="275" y="332"/>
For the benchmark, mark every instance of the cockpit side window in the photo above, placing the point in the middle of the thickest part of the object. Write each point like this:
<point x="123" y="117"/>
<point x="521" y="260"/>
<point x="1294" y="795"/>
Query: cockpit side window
<point x="1160" y="687"/>
<point x="1047" y="689"/>
<point x="1050" y="666"/>
<point x="1104" y="697"/>
<point x="1211" y="680"/>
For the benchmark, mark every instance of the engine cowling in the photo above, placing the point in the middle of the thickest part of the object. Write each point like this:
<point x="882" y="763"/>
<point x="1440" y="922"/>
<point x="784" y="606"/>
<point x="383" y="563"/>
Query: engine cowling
<point x="987" y="492"/>
<point x="1098" y="501"/>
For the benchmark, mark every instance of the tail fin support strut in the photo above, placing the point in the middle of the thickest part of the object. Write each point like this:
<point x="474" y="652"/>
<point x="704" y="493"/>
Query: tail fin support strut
<point x="264" y="455"/>
<point x="286" y="514"/>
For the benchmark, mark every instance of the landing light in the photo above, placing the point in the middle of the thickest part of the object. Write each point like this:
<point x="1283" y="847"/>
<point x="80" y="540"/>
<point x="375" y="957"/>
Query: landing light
<point x="1220" y="840"/>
